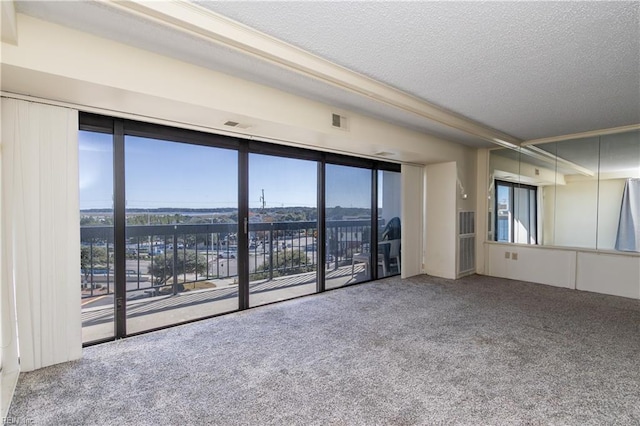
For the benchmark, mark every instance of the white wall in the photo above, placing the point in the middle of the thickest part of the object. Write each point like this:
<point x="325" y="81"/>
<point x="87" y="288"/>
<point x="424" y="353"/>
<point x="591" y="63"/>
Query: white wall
<point x="609" y="204"/>
<point x="441" y="215"/>
<point x="412" y="221"/>
<point x="531" y="263"/>
<point x="607" y="273"/>
<point x="582" y="213"/>
<point x="466" y="171"/>
<point x="101" y="74"/>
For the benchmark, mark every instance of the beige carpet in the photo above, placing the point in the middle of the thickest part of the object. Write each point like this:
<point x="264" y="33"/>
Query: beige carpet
<point x="418" y="351"/>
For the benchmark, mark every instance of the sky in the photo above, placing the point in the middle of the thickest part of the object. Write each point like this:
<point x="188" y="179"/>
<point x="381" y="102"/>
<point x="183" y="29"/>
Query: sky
<point x="179" y="175"/>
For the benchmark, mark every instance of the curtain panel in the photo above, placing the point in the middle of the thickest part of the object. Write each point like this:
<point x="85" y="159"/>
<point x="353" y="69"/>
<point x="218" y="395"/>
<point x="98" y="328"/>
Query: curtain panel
<point x="628" y="238"/>
<point x="40" y="229"/>
<point x="8" y="333"/>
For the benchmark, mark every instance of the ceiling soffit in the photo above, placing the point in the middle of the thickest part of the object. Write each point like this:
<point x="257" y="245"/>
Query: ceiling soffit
<point x="530" y="69"/>
<point x="355" y="91"/>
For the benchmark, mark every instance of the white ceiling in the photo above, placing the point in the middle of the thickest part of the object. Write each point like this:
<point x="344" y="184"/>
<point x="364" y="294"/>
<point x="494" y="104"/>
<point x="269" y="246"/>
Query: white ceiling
<point x="528" y="69"/>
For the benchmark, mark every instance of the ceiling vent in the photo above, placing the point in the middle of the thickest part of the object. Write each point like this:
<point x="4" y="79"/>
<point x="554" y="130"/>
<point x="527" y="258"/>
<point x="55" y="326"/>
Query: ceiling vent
<point x="236" y="124"/>
<point x="339" y="121"/>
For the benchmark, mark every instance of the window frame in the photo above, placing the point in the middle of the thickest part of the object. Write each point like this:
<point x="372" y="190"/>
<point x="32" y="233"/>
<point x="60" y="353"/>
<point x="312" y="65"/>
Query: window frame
<point x="121" y="127"/>
<point x="513" y="186"/>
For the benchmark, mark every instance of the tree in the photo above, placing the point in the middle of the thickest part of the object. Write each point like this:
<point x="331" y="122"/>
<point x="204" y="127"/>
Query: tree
<point x="91" y="259"/>
<point x="288" y="263"/>
<point x="162" y="268"/>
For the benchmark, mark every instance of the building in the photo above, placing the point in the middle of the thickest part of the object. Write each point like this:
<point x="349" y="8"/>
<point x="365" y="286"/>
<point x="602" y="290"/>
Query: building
<point x="173" y="64"/>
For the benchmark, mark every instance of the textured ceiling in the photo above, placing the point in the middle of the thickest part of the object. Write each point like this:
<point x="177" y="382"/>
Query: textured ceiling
<point x="531" y="70"/>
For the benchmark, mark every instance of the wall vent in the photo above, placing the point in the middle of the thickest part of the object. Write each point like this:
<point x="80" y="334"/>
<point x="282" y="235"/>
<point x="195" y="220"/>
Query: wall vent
<point x="466" y="223"/>
<point x="466" y="242"/>
<point x="237" y="125"/>
<point x="339" y="121"/>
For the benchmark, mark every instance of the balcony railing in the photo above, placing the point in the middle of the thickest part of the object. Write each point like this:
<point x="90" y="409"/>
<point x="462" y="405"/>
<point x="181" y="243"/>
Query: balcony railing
<point x="170" y="258"/>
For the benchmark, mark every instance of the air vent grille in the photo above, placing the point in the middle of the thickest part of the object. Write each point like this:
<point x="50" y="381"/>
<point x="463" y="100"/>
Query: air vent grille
<point x="466" y="242"/>
<point x="467" y="255"/>
<point x="339" y="121"/>
<point x="467" y="223"/>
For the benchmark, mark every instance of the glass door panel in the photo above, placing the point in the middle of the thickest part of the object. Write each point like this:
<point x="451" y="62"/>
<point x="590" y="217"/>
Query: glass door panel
<point x="389" y="226"/>
<point x="348" y="225"/>
<point x="95" y="160"/>
<point x="525" y="229"/>
<point x="283" y="228"/>
<point x="504" y="212"/>
<point x="181" y="232"/>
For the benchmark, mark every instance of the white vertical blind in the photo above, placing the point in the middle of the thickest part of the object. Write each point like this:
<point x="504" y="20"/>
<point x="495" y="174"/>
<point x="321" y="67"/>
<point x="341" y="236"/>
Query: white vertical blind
<point x="8" y="332"/>
<point x="40" y="229"/>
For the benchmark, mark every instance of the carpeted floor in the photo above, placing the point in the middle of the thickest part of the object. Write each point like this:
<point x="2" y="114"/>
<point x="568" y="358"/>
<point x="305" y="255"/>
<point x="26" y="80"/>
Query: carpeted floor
<point x="419" y="351"/>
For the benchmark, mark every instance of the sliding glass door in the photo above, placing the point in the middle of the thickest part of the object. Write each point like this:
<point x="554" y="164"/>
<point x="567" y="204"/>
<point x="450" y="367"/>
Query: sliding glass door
<point x="178" y="225"/>
<point x="181" y="232"/>
<point x="96" y="235"/>
<point x="348" y="215"/>
<point x="389" y="224"/>
<point x="283" y="228"/>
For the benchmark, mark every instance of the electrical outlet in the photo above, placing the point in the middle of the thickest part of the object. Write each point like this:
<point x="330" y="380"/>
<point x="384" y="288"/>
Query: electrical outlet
<point x="514" y="256"/>
<point x="506" y="254"/>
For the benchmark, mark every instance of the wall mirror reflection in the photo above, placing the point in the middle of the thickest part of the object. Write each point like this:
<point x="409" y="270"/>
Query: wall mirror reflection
<point x="581" y="193"/>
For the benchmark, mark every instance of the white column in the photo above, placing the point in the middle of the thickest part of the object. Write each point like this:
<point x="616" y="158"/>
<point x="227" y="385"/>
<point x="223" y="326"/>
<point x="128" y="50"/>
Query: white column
<point x="482" y="207"/>
<point x="441" y="213"/>
<point x="412" y="220"/>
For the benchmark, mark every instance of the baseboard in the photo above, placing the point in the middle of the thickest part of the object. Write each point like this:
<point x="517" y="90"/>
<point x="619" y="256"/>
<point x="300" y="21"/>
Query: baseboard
<point x="8" y="382"/>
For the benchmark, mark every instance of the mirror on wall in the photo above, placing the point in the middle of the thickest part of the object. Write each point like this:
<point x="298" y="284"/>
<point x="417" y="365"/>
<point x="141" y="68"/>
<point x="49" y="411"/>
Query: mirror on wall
<point x="619" y="192"/>
<point x="572" y="201"/>
<point x="514" y="198"/>
<point x="574" y="193"/>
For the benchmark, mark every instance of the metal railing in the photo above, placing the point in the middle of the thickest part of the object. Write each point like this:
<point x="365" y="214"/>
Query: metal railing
<point x="169" y="258"/>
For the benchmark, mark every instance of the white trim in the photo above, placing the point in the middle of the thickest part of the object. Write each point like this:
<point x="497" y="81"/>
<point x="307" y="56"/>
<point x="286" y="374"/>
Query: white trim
<point x="552" y="159"/>
<point x="8" y="383"/>
<point x="188" y="126"/>
<point x="9" y="22"/>
<point x="200" y="22"/>
<point x="589" y="134"/>
<point x="567" y="248"/>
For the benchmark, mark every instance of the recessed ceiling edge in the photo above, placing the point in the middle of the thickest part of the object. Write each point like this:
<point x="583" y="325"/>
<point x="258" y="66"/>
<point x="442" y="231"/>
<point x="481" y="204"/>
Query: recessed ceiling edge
<point x="193" y="19"/>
